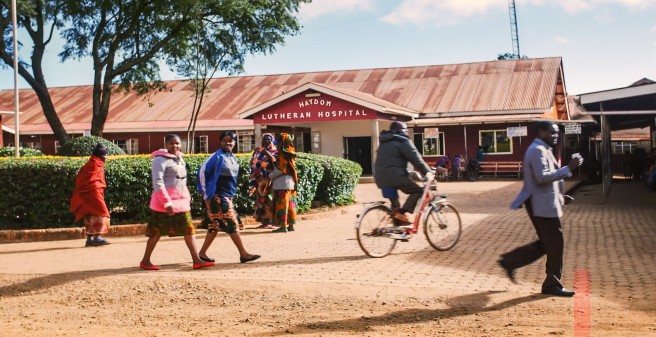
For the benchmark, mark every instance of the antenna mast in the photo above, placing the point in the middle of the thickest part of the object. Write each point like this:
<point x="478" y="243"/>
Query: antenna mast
<point x="513" y="29"/>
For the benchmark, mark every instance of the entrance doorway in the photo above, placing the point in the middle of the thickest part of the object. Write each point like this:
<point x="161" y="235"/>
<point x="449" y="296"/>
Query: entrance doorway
<point x="358" y="149"/>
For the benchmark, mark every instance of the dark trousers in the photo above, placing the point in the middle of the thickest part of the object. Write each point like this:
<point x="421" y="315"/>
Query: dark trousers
<point x="550" y="242"/>
<point x="414" y="193"/>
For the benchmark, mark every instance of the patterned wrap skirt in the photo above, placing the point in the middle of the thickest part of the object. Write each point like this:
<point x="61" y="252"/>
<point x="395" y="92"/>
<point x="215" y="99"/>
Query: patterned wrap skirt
<point x="96" y="225"/>
<point x="263" y="202"/>
<point x="178" y="224"/>
<point x="222" y="215"/>
<point x="284" y="202"/>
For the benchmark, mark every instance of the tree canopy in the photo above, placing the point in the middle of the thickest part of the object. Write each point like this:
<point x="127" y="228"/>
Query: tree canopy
<point x="127" y="39"/>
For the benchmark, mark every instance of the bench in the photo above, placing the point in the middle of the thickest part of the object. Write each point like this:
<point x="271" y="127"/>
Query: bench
<point x="503" y="167"/>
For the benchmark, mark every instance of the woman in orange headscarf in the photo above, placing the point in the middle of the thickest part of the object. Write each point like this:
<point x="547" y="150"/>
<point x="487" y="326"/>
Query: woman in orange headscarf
<point x="284" y="182"/>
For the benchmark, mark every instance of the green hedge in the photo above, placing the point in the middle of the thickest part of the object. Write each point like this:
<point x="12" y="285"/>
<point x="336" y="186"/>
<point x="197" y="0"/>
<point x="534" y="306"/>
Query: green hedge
<point x="10" y="151"/>
<point x="83" y="146"/>
<point x="36" y="191"/>
<point x="339" y="179"/>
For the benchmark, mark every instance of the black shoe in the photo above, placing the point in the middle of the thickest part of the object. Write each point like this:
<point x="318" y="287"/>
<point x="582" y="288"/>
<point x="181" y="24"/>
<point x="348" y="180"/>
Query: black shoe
<point x="558" y="292"/>
<point x="206" y="259"/>
<point x="510" y="272"/>
<point x="249" y="259"/>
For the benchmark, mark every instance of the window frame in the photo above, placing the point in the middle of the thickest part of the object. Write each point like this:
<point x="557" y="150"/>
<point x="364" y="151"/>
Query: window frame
<point x="495" y="131"/>
<point x="440" y="146"/>
<point x="248" y="134"/>
<point x="131" y="146"/>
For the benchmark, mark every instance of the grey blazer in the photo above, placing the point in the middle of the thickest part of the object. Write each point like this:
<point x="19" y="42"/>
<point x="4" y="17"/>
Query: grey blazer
<point x="543" y="181"/>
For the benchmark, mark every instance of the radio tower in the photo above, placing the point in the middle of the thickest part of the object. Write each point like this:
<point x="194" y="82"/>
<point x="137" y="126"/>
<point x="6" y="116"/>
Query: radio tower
<point x="513" y="29"/>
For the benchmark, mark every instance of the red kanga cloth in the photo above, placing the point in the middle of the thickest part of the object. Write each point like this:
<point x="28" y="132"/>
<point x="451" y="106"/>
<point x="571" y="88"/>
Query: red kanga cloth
<point x="89" y="194"/>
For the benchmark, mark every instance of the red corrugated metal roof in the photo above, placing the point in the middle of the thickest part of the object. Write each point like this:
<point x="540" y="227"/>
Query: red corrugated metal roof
<point x="470" y="88"/>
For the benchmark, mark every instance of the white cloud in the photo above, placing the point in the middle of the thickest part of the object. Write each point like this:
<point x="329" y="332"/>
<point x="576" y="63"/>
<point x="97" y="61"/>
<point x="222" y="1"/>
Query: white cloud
<point x="325" y="7"/>
<point x="448" y="12"/>
<point x="443" y="12"/>
<point x="652" y="30"/>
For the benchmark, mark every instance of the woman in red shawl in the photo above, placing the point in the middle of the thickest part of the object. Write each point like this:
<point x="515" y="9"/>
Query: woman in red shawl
<point x="88" y="200"/>
<point x="262" y="162"/>
<point x="284" y="182"/>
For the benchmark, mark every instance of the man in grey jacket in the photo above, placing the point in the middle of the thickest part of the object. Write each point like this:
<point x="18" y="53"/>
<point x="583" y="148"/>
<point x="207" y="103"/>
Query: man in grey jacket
<point x="391" y="169"/>
<point x="543" y="196"/>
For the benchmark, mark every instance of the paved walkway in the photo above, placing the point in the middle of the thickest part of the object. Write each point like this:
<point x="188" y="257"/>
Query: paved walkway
<point x="613" y="241"/>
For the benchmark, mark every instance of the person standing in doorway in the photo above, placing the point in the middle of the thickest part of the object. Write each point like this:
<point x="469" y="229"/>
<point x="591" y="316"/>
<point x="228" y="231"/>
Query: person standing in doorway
<point x="217" y="183"/>
<point x="88" y="200"/>
<point x="170" y="203"/>
<point x="284" y="182"/>
<point x="542" y="194"/>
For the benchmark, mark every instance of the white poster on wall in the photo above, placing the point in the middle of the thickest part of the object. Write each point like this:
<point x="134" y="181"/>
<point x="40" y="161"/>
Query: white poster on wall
<point x="572" y="129"/>
<point x="431" y="132"/>
<point x="517" y="131"/>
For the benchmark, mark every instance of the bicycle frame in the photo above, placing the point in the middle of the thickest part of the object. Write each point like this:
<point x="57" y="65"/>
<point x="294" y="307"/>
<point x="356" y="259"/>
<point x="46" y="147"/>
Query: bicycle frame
<point x="420" y="208"/>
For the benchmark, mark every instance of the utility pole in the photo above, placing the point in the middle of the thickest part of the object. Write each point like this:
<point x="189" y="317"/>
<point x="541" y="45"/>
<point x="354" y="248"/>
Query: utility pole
<point x="513" y="29"/>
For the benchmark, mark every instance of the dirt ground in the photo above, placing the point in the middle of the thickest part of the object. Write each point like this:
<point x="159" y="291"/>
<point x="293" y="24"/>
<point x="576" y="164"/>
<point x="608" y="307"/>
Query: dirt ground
<point x="110" y="305"/>
<point x="317" y="282"/>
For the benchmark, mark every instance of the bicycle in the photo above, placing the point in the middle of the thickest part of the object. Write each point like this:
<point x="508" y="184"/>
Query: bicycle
<point x="377" y="232"/>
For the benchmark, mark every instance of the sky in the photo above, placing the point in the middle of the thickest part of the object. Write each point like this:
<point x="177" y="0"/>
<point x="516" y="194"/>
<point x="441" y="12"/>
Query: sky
<point x="604" y="44"/>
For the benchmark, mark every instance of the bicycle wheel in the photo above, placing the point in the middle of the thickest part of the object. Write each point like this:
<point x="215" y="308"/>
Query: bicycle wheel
<point x="442" y="226"/>
<point x="371" y="237"/>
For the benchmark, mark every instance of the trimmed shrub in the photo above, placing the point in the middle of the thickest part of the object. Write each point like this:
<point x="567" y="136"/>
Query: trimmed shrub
<point x="10" y="151"/>
<point x="82" y="147"/>
<point x="36" y="191"/>
<point x="339" y="179"/>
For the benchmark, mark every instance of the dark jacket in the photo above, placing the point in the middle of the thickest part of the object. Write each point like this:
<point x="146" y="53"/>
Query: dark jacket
<point x="394" y="153"/>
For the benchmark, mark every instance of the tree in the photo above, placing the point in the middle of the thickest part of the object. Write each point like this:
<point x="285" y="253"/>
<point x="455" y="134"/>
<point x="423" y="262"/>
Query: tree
<point x="126" y="39"/>
<point x="225" y="36"/>
<point x="40" y="19"/>
<point x="510" y="56"/>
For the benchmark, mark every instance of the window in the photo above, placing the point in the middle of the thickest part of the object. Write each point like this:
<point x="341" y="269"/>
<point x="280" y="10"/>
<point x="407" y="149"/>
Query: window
<point x="495" y="141"/>
<point x="33" y="145"/>
<point x="623" y="147"/>
<point x="201" y="144"/>
<point x="245" y="141"/>
<point x="130" y="146"/>
<point x="57" y="146"/>
<point x="429" y="146"/>
<point x="299" y="145"/>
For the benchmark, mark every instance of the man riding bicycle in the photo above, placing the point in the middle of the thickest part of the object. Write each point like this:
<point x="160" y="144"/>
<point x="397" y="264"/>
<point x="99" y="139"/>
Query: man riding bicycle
<point x="391" y="169"/>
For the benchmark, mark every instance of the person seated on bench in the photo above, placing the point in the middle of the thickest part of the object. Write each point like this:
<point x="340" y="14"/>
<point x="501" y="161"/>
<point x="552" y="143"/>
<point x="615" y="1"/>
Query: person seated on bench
<point x="443" y="165"/>
<point x="396" y="150"/>
<point x="457" y="165"/>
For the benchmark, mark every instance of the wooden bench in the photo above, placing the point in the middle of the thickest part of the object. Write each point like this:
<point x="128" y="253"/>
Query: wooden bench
<point x="503" y="167"/>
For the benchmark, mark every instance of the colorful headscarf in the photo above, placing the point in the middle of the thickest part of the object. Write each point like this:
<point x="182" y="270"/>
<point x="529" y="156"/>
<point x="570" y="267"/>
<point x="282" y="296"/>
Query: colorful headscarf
<point x="273" y="137"/>
<point x="260" y="162"/>
<point x="286" y="161"/>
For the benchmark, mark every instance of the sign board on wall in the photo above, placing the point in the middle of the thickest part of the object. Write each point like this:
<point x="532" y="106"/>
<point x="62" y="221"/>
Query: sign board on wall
<point x="431" y="132"/>
<point x="572" y="129"/>
<point x="323" y="108"/>
<point x="517" y="131"/>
